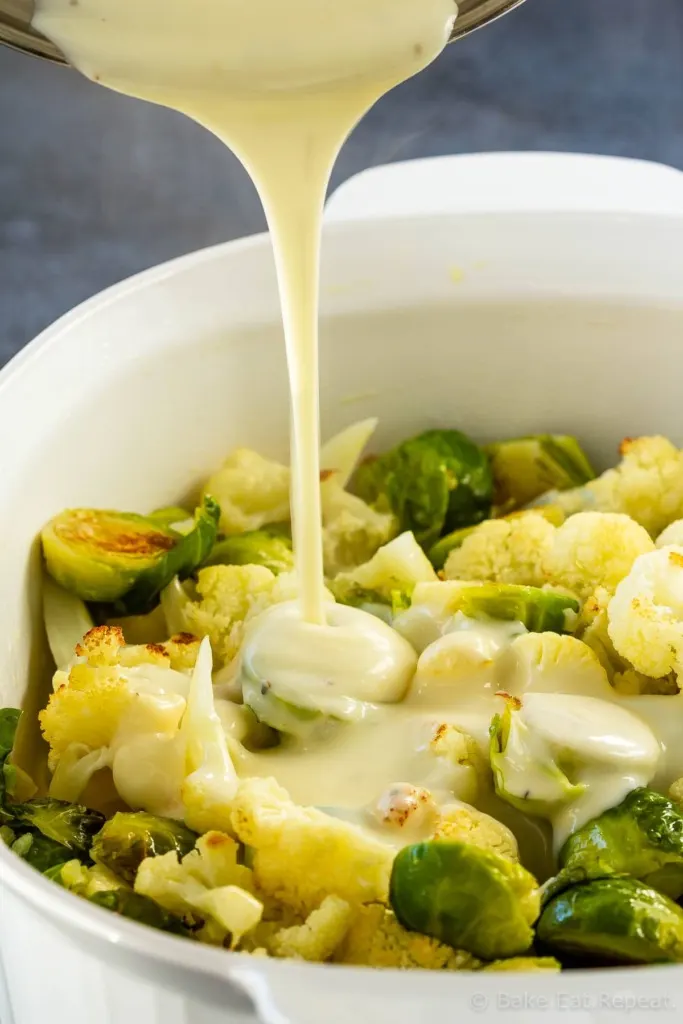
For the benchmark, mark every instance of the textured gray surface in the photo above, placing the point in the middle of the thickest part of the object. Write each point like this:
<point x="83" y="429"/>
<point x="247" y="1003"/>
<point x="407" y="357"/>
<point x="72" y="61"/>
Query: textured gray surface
<point x="94" y="187"/>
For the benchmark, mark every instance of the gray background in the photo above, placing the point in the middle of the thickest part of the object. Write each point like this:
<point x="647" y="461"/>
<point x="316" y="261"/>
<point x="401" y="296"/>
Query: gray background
<point x="94" y="187"/>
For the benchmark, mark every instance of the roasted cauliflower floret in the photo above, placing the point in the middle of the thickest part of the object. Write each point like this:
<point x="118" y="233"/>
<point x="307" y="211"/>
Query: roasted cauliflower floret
<point x="301" y="855"/>
<point x="318" y="938"/>
<point x="594" y="549"/>
<point x="467" y="825"/>
<point x="251" y="491"/>
<point x="376" y="939"/>
<point x="646" y="614"/>
<point x="647" y="485"/>
<point x="504" y="551"/>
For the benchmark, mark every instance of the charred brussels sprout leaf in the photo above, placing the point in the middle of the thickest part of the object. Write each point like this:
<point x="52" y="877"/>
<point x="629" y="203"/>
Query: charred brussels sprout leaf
<point x="70" y="825"/>
<point x="613" y="921"/>
<point x="129" y="838"/>
<point x="141" y="909"/>
<point x="526" y="467"/>
<point x="465" y="896"/>
<point x="122" y="559"/>
<point x="437" y="481"/>
<point x="258" y="547"/>
<point x="641" y="837"/>
<point x="40" y="852"/>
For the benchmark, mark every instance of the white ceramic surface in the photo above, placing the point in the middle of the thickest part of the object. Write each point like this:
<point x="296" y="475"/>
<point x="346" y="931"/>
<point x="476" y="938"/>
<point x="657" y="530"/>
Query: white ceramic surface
<point x="505" y="322"/>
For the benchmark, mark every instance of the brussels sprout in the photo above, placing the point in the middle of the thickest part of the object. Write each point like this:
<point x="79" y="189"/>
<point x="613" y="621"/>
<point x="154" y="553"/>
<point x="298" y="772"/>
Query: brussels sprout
<point x="122" y="559"/>
<point x="70" y="825"/>
<point x="528" y="778"/>
<point x="141" y="909"/>
<point x="527" y="467"/>
<point x="281" y="715"/>
<point x="641" y="837"/>
<point x="465" y="896"/>
<point x="258" y="547"/>
<point x="524" y="963"/>
<point x="438" y="554"/>
<point x="540" y="611"/>
<point x="613" y="921"/>
<point x="437" y="481"/>
<point x="129" y="838"/>
<point x="40" y="852"/>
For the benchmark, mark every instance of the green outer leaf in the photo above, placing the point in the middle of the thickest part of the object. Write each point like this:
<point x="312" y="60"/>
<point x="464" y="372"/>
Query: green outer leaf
<point x="257" y="547"/>
<point x="465" y="896"/>
<point x="130" y="837"/>
<point x="71" y="825"/>
<point x="182" y="560"/>
<point x="141" y="909"/>
<point x="436" y="481"/>
<point x="613" y="920"/>
<point x="41" y="853"/>
<point x="641" y="837"/>
<point x="541" y="611"/>
<point x="9" y="723"/>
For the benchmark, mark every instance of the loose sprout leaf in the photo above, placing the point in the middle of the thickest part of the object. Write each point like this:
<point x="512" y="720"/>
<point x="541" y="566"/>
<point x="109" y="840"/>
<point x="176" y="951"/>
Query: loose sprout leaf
<point x="122" y="559"/>
<point x="9" y="723"/>
<point x="129" y="838"/>
<point x="40" y="852"/>
<point x="526" y="467"/>
<point x="71" y="825"/>
<point x="141" y="909"/>
<point x="465" y="896"/>
<point x="437" y="481"/>
<point x="613" y="921"/>
<point x="641" y="837"/>
<point x="258" y="547"/>
<point x="67" y="620"/>
<point x="172" y="516"/>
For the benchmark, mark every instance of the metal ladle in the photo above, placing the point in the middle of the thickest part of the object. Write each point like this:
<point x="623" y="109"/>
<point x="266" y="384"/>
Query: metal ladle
<point x="16" y="29"/>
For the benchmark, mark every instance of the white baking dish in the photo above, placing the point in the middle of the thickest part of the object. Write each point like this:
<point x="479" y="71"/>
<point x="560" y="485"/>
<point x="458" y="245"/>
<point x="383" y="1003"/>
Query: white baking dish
<point x="469" y="303"/>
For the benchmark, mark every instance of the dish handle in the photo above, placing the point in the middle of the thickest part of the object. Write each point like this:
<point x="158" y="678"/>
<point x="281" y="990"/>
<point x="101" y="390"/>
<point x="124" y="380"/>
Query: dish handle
<point x="508" y="182"/>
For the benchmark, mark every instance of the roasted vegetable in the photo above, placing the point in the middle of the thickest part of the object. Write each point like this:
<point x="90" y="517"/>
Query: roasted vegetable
<point x="129" y="838"/>
<point x="435" y="482"/>
<point x="465" y="896"/>
<point x="540" y="611"/>
<point x="641" y="837"/>
<point x="40" y="852"/>
<point x="258" y="547"/>
<point x="139" y="908"/>
<point x="122" y="559"/>
<point x="9" y="723"/>
<point x="439" y="552"/>
<point x="70" y="825"/>
<point x="526" y="467"/>
<point x="613" y="921"/>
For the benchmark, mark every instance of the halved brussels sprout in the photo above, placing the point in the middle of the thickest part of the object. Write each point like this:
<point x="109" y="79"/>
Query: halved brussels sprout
<point x="141" y="909"/>
<point x="258" y="547"/>
<point x="129" y="838"/>
<point x="540" y="611"/>
<point x="613" y="921"/>
<point x="439" y="552"/>
<point x="526" y="467"/>
<point x="439" y="480"/>
<point x="641" y="837"/>
<point x="465" y="896"/>
<point x="123" y="559"/>
<point x="282" y="715"/>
